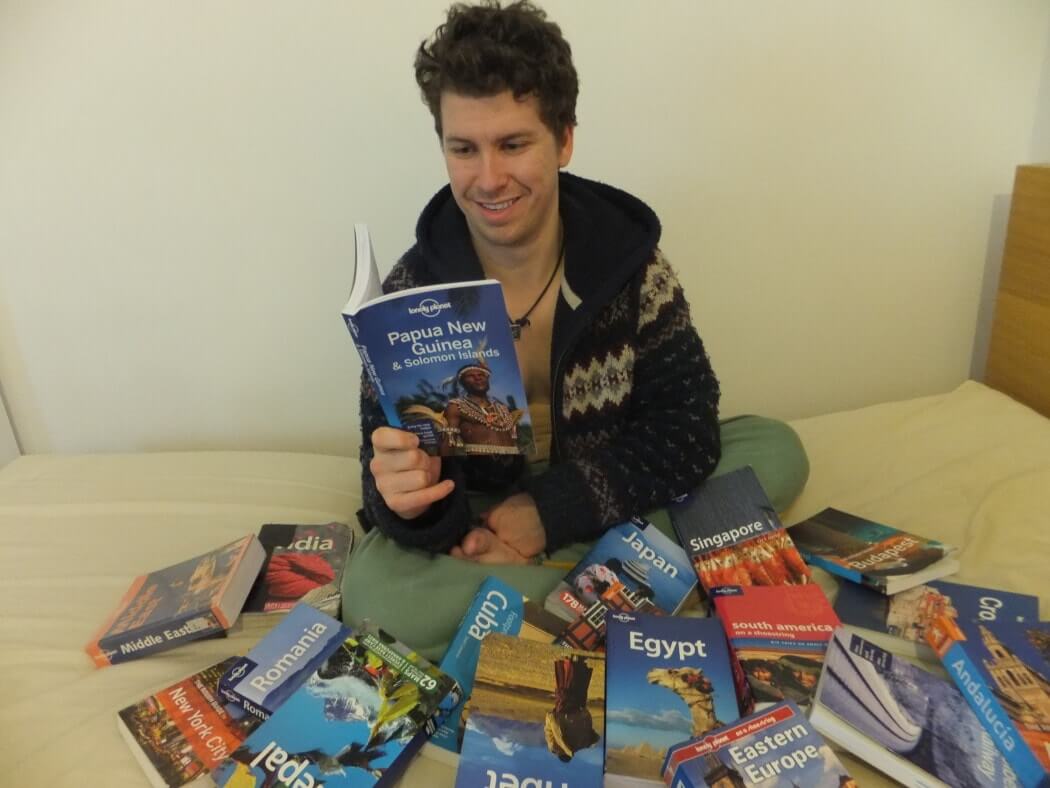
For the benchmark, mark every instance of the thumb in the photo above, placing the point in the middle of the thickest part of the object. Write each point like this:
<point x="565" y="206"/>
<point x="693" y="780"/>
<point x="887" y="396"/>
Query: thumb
<point x="477" y="541"/>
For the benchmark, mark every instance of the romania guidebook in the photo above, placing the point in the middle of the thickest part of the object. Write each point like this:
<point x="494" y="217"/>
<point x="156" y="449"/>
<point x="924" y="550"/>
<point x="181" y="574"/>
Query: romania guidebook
<point x="441" y="360"/>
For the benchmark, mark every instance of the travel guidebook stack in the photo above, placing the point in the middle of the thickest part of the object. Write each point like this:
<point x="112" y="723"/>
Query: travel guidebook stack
<point x="197" y="598"/>
<point x="356" y="721"/>
<point x="441" y="360"/>
<point x="536" y="716"/>
<point x="877" y="555"/>
<point x="903" y="720"/>
<point x="668" y="679"/>
<point x="1003" y="671"/>
<point x="733" y="535"/>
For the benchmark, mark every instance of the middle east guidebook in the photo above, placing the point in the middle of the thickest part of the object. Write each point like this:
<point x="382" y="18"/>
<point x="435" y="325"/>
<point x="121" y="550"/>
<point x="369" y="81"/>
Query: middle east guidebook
<point x="441" y="359"/>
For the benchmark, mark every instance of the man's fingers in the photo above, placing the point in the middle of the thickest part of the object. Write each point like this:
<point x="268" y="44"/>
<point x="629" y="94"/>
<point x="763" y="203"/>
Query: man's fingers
<point x="419" y="499"/>
<point x="390" y="439"/>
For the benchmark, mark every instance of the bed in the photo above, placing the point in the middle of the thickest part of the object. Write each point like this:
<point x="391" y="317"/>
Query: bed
<point x="970" y="466"/>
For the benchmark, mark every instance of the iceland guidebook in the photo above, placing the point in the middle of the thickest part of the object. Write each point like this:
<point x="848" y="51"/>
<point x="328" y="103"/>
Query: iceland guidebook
<point x="441" y="360"/>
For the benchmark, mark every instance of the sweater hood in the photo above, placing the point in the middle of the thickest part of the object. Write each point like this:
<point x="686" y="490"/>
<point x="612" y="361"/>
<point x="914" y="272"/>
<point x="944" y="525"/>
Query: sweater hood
<point x="610" y="234"/>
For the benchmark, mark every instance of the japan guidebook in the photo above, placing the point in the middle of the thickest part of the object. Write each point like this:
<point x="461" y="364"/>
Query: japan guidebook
<point x="441" y="360"/>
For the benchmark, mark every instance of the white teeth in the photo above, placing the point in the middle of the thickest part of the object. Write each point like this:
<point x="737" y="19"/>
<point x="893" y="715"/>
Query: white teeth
<point x="496" y="206"/>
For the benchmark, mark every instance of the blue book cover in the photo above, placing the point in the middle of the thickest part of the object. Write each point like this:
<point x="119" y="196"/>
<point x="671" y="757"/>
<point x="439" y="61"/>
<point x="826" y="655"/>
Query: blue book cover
<point x="668" y="679"/>
<point x="635" y="554"/>
<point x="914" y="726"/>
<point x="774" y="748"/>
<point x="537" y="714"/>
<point x="442" y="362"/>
<point x="497" y="607"/>
<point x="1003" y="671"/>
<point x="193" y="599"/>
<point x="260" y="681"/>
<point x="899" y="622"/>
<point x="354" y="723"/>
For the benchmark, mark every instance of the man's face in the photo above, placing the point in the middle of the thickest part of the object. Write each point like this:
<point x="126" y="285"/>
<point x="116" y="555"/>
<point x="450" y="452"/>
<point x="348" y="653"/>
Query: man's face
<point x="475" y="382"/>
<point x="805" y="679"/>
<point x="761" y="673"/>
<point x="502" y="166"/>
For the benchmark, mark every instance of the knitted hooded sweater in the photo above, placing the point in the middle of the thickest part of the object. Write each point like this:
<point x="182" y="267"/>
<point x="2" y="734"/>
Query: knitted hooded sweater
<point x="634" y="405"/>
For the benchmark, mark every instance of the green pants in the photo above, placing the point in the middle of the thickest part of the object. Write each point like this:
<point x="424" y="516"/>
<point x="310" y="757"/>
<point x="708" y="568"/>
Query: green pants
<point x="419" y="598"/>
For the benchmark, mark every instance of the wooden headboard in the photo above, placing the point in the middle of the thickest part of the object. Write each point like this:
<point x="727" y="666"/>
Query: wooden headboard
<point x="1019" y="349"/>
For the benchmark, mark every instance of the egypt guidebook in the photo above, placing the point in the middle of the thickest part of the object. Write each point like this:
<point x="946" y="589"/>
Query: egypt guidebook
<point x="441" y="360"/>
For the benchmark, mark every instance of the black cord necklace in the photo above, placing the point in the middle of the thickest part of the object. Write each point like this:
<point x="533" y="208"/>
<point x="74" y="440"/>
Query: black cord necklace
<point x="521" y="322"/>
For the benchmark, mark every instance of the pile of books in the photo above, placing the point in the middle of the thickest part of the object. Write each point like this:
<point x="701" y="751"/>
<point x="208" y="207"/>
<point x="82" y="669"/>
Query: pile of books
<point x="710" y="659"/>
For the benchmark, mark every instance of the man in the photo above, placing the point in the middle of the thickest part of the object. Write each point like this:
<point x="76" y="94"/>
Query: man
<point x="623" y="400"/>
<point x="476" y="423"/>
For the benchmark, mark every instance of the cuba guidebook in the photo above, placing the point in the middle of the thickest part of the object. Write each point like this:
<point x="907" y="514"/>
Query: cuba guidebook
<point x="441" y="359"/>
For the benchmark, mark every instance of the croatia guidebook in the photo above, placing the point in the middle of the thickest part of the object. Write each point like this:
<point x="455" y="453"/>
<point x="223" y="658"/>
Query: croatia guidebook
<point x="441" y="360"/>
<point x="536" y="716"/>
<point x="1003" y="671"/>
<point x="903" y="720"/>
<point x="733" y="535"/>
<point x="877" y="555"/>
<point x="899" y="622"/>
<point x="197" y="598"/>
<point x="668" y="679"/>
<point x="355" y="723"/>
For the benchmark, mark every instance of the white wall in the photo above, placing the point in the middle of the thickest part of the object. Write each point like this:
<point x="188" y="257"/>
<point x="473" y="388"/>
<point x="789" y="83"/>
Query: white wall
<point x="178" y="183"/>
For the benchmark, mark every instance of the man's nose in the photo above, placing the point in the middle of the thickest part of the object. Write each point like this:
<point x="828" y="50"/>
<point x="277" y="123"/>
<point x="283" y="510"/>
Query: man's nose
<point x="492" y="174"/>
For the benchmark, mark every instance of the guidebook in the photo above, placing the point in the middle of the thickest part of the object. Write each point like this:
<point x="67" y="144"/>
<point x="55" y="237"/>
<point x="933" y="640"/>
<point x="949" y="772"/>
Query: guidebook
<point x="898" y="623"/>
<point x="184" y="731"/>
<point x="497" y="607"/>
<point x="667" y="679"/>
<point x="879" y="556"/>
<point x="733" y="534"/>
<point x="355" y="722"/>
<point x="536" y="716"/>
<point x="190" y="600"/>
<point x="773" y="748"/>
<point x="278" y="664"/>
<point x="441" y="360"/>
<point x="303" y="562"/>
<point x="1003" y="671"/>
<point x="903" y="720"/>
<point x="778" y="637"/>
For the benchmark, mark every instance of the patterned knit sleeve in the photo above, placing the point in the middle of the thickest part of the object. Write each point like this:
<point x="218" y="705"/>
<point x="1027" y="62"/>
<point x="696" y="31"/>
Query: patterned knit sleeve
<point x="666" y="440"/>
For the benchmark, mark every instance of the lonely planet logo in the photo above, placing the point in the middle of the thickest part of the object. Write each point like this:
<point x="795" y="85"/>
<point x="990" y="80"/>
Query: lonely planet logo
<point x="429" y="307"/>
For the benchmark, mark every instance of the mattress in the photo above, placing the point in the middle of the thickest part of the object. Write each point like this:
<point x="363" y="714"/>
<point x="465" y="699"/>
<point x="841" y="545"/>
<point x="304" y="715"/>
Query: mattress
<point x="970" y="467"/>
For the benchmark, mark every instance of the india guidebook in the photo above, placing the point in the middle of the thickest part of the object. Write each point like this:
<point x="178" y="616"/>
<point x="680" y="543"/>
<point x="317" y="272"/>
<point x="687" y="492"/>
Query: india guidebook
<point x="441" y="360"/>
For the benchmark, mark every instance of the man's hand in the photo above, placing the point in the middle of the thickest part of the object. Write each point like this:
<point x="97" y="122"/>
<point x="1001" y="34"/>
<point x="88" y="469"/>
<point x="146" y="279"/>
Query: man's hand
<point x="484" y="547"/>
<point x="516" y="521"/>
<point x="406" y="476"/>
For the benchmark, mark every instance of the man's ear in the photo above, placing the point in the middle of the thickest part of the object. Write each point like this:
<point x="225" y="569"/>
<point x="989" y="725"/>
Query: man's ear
<point x="565" y="154"/>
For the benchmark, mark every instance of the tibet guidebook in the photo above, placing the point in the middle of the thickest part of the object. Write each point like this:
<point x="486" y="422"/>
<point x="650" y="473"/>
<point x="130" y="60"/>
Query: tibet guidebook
<point x="178" y="735"/>
<point x="536" y="717"/>
<point x="1003" y="671"/>
<point x="303" y="562"/>
<point x="874" y="554"/>
<point x="773" y="748"/>
<point x="733" y="535"/>
<point x="355" y="722"/>
<point x="190" y="600"/>
<point x="903" y="720"/>
<point x="899" y="622"/>
<point x="441" y="360"/>
<point x="668" y="679"/>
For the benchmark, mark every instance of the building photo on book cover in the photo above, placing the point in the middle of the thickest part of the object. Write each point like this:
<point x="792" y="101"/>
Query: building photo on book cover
<point x="442" y="362"/>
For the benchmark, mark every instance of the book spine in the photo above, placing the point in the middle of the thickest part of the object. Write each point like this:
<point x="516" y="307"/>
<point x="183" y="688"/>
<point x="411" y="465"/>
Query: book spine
<point x="947" y="640"/>
<point x="366" y="359"/>
<point x="838" y="569"/>
<point x="159" y="636"/>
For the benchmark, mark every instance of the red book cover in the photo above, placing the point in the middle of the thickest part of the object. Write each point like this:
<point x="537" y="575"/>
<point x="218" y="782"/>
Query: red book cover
<point x="778" y="635"/>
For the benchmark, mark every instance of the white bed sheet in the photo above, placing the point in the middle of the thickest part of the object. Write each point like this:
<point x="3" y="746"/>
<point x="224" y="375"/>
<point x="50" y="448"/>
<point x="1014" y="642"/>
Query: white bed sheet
<point x="970" y="467"/>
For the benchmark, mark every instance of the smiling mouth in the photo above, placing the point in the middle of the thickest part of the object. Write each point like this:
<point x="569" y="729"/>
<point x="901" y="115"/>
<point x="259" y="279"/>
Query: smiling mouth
<point x="498" y="206"/>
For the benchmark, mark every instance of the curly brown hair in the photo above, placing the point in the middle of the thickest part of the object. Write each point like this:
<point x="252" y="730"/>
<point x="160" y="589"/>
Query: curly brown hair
<point x="484" y="49"/>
